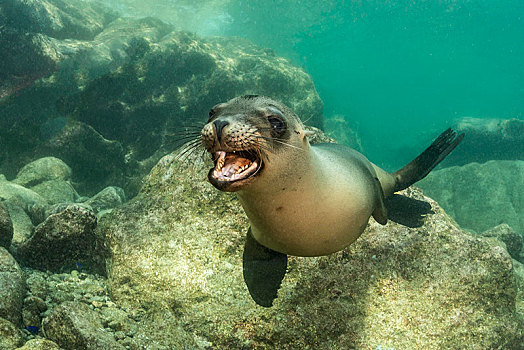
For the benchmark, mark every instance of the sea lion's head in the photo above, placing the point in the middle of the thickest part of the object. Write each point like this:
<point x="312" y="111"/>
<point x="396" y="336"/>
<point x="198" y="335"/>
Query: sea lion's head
<point x="245" y="135"/>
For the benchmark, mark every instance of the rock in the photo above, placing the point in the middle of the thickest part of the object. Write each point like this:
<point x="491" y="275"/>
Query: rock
<point x="511" y="239"/>
<point x="108" y="198"/>
<point x="73" y="325"/>
<point x="32" y="203"/>
<point x="43" y="169"/>
<point x="96" y="161"/>
<point x="33" y="307"/>
<point x="39" y="344"/>
<point x="56" y="191"/>
<point x="63" y="240"/>
<point x="22" y="224"/>
<point x="176" y="253"/>
<point x="6" y="226"/>
<point x="72" y="19"/>
<point x="488" y="139"/>
<point x="10" y="336"/>
<point x="480" y="196"/>
<point x="12" y="288"/>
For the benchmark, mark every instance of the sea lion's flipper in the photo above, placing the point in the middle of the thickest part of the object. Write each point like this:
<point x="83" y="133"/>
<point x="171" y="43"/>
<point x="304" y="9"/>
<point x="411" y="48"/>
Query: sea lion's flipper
<point x="264" y="270"/>
<point x="427" y="160"/>
<point x="380" y="214"/>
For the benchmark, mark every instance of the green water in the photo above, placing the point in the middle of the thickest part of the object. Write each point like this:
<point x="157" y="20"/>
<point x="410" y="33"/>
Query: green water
<point x="398" y="71"/>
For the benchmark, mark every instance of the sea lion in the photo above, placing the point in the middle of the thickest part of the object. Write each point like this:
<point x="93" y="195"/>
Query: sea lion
<point x="301" y="199"/>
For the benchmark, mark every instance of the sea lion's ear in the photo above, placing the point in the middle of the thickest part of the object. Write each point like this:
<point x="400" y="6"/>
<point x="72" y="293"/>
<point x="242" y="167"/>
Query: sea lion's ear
<point x="264" y="270"/>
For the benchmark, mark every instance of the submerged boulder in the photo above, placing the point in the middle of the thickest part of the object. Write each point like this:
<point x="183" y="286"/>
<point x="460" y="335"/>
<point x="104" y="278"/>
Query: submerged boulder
<point x="12" y="288"/>
<point x="110" y="197"/>
<point x="64" y="240"/>
<point x="39" y="344"/>
<point x="31" y="202"/>
<point x="73" y="325"/>
<point x="480" y="196"/>
<point x="177" y="256"/>
<point x="6" y="226"/>
<point x="10" y="337"/>
<point x="43" y="169"/>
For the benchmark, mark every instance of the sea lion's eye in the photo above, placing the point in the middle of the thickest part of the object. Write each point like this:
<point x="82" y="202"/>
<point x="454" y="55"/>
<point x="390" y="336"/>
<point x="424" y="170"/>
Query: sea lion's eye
<point x="277" y="125"/>
<point x="211" y="113"/>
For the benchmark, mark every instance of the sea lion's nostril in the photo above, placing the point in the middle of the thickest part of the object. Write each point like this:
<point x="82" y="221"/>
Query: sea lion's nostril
<point x="219" y="125"/>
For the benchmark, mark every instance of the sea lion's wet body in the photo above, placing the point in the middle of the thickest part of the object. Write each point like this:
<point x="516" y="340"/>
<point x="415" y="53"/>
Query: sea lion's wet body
<point x="300" y="199"/>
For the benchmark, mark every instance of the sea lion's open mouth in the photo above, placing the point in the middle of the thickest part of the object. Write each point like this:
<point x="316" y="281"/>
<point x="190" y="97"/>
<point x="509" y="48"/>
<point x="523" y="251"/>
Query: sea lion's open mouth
<point x="233" y="168"/>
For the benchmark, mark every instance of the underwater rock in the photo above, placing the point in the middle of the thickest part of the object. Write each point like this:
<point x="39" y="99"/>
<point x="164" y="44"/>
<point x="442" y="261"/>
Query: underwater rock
<point x="511" y="239"/>
<point x="22" y="224"/>
<point x="95" y="160"/>
<point x="12" y="288"/>
<point x="64" y="240"/>
<point x="480" y="196"/>
<point x="488" y="139"/>
<point x="43" y="169"/>
<point x="73" y="325"/>
<point x="6" y="226"/>
<point x="177" y="253"/>
<point x="31" y="202"/>
<point x="72" y="19"/>
<point x="56" y="191"/>
<point x="39" y="344"/>
<point x="110" y="197"/>
<point x="10" y="337"/>
<point x="33" y="307"/>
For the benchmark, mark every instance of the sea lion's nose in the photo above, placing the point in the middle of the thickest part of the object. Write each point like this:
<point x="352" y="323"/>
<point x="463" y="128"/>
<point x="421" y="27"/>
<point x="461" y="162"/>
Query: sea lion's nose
<point x="219" y="125"/>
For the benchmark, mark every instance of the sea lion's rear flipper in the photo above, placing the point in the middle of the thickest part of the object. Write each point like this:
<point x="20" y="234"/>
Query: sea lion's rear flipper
<point x="380" y="214"/>
<point x="427" y="160"/>
<point x="264" y="270"/>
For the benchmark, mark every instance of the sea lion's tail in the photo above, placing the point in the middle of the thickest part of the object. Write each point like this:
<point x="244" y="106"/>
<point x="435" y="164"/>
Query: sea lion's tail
<point x="419" y="167"/>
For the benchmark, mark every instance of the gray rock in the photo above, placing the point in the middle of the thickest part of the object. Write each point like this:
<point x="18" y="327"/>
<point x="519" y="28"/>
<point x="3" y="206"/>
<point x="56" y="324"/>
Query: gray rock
<point x="39" y="344"/>
<point x="43" y="169"/>
<point x="56" y="191"/>
<point x="431" y="287"/>
<point x="33" y="308"/>
<point x="6" y="226"/>
<point x="108" y="198"/>
<point x="73" y="325"/>
<point x="94" y="158"/>
<point x="72" y="19"/>
<point x="480" y="196"/>
<point x="511" y="239"/>
<point x="63" y="240"/>
<point x="32" y="203"/>
<point x="12" y="288"/>
<point x="22" y="224"/>
<point x="10" y="337"/>
<point x="488" y="139"/>
<point x="57" y="208"/>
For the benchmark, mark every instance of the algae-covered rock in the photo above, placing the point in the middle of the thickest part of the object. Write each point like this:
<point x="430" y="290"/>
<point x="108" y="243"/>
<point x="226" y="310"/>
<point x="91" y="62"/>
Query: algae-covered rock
<point x="480" y="196"/>
<point x="30" y="201"/>
<point x="488" y="139"/>
<point x="39" y="344"/>
<point x="109" y="197"/>
<point x="64" y="240"/>
<point x="10" y="337"/>
<point x="512" y="240"/>
<point x="12" y="288"/>
<point x="22" y="224"/>
<point x="176" y="255"/>
<point x="33" y="307"/>
<point x="56" y="191"/>
<point x="6" y="226"/>
<point x="74" y="325"/>
<point x="43" y="169"/>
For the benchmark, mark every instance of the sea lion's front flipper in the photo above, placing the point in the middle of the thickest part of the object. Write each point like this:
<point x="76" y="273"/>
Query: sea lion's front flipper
<point x="264" y="270"/>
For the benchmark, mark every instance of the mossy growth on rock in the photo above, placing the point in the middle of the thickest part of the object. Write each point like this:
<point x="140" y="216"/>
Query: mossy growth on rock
<point x="176" y="256"/>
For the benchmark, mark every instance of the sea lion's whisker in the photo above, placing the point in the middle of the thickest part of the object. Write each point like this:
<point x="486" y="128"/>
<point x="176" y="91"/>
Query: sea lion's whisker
<point x="278" y="141"/>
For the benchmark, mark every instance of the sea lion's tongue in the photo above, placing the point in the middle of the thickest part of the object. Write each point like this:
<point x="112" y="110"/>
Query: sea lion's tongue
<point x="230" y="165"/>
